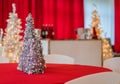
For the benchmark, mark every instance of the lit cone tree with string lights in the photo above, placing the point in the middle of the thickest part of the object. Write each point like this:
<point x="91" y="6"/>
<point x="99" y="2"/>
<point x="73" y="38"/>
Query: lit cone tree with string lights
<point x="12" y="45"/>
<point x="107" y="49"/>
<point x="31" y="60"/>
<point x="96" y="31"/>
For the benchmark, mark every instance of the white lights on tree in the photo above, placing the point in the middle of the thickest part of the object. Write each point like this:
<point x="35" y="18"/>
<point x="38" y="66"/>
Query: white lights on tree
<point x="96" y="30"/>
<point x="95" y="25"/>
<point x="11" y="40"/>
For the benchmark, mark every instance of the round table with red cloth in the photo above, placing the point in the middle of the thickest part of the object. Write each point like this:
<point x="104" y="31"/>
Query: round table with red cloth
<point x="54" y="74"/>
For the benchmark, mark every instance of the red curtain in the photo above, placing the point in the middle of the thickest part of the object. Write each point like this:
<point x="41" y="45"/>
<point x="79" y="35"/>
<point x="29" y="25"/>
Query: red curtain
<point x="117" y="25"/>
<point x="65" y="15"/>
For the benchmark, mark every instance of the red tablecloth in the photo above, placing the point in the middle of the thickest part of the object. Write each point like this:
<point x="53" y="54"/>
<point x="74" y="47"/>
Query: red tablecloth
<point x="54" y="74"/>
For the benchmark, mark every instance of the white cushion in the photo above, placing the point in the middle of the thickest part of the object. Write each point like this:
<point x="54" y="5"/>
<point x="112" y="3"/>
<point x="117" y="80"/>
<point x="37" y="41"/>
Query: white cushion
<point x="57" y="58"/>
<point x="98" y="78"/>
<point x="113" y="64"/>
<point x="4" y="60"/>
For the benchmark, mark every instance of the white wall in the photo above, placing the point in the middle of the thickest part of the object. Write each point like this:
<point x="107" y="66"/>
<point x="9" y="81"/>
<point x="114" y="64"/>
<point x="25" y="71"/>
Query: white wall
<point x="105" y="10"/>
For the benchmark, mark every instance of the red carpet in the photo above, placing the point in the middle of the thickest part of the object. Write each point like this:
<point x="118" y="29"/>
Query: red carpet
<point x="54" y="74"/>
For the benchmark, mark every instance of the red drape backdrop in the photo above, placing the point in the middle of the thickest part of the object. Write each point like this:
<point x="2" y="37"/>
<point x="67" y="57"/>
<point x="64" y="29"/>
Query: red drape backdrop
<point x="65" y="15"/>
<point x="117" y="25"/>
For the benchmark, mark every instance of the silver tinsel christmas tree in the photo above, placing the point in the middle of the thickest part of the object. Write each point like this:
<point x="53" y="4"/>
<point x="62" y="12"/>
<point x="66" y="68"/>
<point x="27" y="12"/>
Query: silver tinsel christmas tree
<point x="31" y="60"/>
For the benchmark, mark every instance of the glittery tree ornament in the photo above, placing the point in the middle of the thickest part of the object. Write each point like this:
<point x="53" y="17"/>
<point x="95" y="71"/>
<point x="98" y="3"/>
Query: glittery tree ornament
<point x="31" y="60"/>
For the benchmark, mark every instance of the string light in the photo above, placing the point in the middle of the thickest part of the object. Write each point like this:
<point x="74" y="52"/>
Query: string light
<point x="106" y="46"/>
<point x="11" y="40"/>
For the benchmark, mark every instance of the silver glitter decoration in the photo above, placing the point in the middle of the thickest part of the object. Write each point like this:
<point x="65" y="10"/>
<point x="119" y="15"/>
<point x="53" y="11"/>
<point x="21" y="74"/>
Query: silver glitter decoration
<point x="31" y="60"/>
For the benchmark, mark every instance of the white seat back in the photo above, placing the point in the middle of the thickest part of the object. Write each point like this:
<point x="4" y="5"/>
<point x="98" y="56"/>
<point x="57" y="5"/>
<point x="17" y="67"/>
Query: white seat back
<point x="4" y="60"/>
<point x="98" y="78"/>
<point x="113" y="64"/>
<point x="57" y="58"/>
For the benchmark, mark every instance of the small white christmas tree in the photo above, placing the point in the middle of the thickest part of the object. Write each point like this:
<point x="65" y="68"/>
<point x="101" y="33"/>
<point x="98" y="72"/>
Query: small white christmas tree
<point x="1" y="36"/>
<point x="31" y="60"/>
<point x="107" y="49"/>
<point x="11" y="40"/>
<point x="96" y="30"/>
